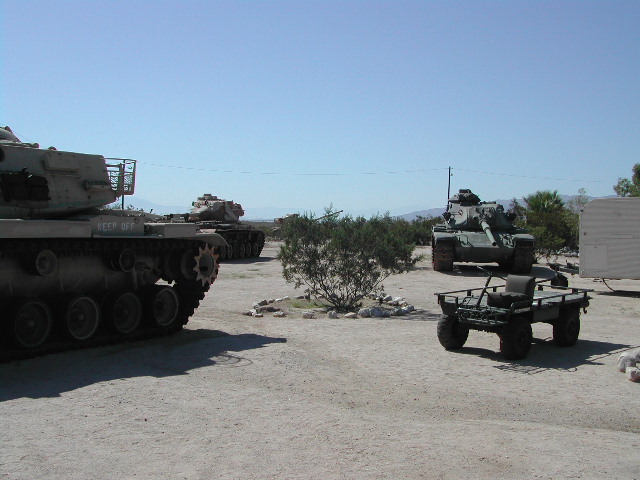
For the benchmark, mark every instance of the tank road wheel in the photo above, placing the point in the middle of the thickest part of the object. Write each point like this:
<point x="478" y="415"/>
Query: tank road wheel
<point x="442" y="258"/>
<point x="451" y="333"/>
<point x="81" y="317"/>
<point x="242" y="251"/>
<point x="522" y="259"/>
<point x="515" y="338"/>
<point x="123" y="312"/>
<point x="229" y="249"/>
<point x="161" y="305"/>
<point x="31" y="322"/>
<point x="222" y="253"/>
<point x="124" y="260"/>
<point x="46" y="263"/>
<point x="566" y="328"/>
<point x="255" y="249"/>
<point x="235" y="252"/>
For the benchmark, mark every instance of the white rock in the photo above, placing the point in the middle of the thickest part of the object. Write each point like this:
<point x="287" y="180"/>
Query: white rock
<point x="398" y="299"/>
<point x="280" y="314"/>
<point x="251" y="312"/>
<point x="258" y="315"/>
<point x="364" y="312"/>
<point x="626" y="360"/>
<point x="286" y="297"/>
<point x="332" y="314"/>
<point x="351" y="315"/>
<point x="633" y="374"/>
<point x="387" y="298"/>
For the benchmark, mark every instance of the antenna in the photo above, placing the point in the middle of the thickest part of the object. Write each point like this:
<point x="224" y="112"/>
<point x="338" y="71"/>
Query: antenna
<point x="449" y="185"/>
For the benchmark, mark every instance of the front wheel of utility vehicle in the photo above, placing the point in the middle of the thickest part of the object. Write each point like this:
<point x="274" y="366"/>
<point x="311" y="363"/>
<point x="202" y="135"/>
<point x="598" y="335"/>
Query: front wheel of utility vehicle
<point x="566" y="328"/>
<point x="451" y="333"/>
<point x="515" y="339"/>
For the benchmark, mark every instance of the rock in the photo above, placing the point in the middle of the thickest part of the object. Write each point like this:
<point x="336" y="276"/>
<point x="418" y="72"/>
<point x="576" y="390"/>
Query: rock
<point x="408" y="309"/>
<point x="332" y="314"/>
<point x="387" y="298"/>
<point x="267" y="308"/>
<point x="385" y="314"/>
<point x="398" y="300"/>
<point x="261" y="303"/>
<point x="399" y="312"/>
<point x="633" y="374"/>
<point x="251" y="312"/>
<point x="301" y="297"/>
<point x="271" y="300"/>
<point x="351" y="315"/>
<point x="376" y="312"/>
<point x="286" y="297"/>
<point x="258" y="315"/>
<point x="279" y="314"/>
<point x="309" y="315"/>
<point x="626" y="360"/>
<point x="364" y="312"/>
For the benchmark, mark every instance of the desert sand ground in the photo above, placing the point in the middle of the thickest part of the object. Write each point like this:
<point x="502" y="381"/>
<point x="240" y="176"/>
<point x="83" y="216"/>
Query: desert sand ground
<point x="237" y="397"/>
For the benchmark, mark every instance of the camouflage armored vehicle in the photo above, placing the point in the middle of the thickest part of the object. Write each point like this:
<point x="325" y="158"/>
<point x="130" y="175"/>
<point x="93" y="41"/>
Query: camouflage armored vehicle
<point x="74" y="275"/>
<point x="223" y="217"/>
<point x="480" y="232"/>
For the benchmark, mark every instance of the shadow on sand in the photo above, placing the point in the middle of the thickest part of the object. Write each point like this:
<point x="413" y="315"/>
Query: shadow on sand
<point x="545" y="355"/>
<point x="52" y="375"/>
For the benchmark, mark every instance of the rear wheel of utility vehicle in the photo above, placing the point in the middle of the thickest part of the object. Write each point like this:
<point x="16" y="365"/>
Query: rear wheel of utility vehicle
<point x="560" y="280"/>
<point x="451" y="333"/>
<point x="442" y="258"/>
<point x="515" y="339"/>
<point x="566" y="328"/>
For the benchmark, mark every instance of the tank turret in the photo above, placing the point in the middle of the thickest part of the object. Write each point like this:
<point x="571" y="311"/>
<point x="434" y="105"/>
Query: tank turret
<point x="480" y="232"/>
<point x="75" y="274"/>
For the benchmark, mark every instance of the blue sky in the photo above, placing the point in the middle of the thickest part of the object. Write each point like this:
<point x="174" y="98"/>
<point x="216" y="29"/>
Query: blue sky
<point x="359" y="104"/>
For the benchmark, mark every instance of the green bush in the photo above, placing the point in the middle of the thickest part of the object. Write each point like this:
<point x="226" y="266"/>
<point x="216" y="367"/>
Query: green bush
<point x="344" y="259"/>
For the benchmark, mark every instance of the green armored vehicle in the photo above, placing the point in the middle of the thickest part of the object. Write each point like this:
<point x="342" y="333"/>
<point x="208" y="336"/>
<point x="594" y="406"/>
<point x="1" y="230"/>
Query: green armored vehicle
<point x="72" y="274"/>
<point x="480" y="232"/>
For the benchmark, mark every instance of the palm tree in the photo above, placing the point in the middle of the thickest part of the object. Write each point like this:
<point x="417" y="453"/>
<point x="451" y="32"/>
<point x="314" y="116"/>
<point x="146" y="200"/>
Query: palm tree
<point x="544" y="201"/>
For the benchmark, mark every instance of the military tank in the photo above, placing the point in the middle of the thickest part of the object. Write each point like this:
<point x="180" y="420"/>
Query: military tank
<point x="480" y="232"/>
<point x="73" y="274"/>
<point x="214" y="214"/>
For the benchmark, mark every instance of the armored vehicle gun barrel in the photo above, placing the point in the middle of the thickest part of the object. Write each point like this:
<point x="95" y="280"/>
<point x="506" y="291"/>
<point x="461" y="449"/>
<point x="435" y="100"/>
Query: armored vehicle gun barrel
<point x="487" y="230"/>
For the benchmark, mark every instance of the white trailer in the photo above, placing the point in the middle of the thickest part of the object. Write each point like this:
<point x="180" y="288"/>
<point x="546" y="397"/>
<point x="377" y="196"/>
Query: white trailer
<point x="610" y="238"/>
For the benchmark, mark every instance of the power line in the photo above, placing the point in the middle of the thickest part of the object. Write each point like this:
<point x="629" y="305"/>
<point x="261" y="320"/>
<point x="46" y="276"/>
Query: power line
<point x="346" y="174"/>
<point x="529" y="176"/>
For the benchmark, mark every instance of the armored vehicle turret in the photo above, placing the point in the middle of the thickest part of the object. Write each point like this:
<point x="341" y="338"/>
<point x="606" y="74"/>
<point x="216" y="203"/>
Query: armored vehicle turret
<point x="214" y="214"/>
<point x="73" y="273"/>
<point x="480" y="232"/>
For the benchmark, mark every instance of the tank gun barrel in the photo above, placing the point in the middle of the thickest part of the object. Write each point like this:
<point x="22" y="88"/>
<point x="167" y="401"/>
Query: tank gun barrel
<point x="487" y="230"/>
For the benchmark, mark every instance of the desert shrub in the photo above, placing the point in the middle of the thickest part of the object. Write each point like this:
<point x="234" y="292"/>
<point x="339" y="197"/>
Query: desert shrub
<point x="344" y="259"/>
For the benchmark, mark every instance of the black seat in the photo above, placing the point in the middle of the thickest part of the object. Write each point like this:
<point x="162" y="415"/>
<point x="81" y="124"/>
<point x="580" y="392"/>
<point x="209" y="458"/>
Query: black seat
<point x="518" y="288"/>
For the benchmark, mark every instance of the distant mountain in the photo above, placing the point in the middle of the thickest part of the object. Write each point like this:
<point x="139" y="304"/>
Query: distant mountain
<point x="267" y="214"/>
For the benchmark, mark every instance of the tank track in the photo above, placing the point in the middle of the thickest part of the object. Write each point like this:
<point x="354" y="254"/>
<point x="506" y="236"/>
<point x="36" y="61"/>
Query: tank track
<point x="442" y="258"/>
<point x="241" y="244"/>
<point x="189" y="292"/>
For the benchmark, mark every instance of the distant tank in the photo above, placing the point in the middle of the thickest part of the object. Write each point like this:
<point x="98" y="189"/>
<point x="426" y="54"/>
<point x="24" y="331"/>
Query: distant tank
<point x="74" y="275"/>
<point x="480" y="232"/>
<point x="223" y="217"/>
